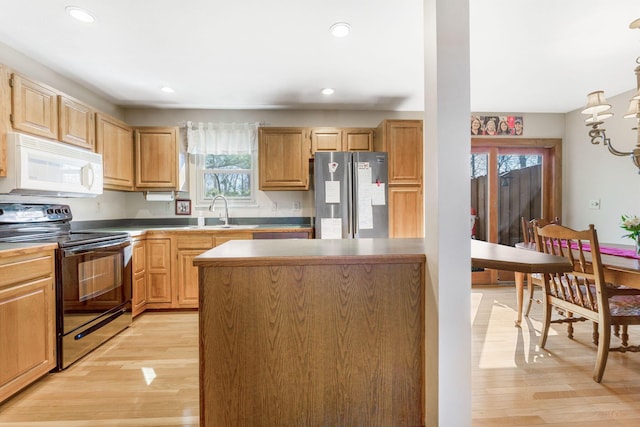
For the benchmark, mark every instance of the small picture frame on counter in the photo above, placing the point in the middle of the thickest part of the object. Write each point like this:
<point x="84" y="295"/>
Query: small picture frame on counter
<point x="183" y="207"/>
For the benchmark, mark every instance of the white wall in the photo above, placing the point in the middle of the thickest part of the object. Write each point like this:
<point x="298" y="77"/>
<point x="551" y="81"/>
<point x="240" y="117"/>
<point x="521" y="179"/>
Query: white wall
<point x="592" y="173"/>
<point x="36" y="71"/>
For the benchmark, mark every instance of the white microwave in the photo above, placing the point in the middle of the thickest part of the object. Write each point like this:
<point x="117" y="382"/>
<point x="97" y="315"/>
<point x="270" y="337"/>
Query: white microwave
<point x="41" y="167"/>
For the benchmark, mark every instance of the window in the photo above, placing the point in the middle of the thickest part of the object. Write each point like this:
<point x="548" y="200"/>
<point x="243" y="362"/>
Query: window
<point x="230" y="175"/>
<point x="224" y="155"/>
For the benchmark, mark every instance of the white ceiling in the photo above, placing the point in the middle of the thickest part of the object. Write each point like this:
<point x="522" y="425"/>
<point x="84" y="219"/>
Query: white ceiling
<point x="526" y="56"/>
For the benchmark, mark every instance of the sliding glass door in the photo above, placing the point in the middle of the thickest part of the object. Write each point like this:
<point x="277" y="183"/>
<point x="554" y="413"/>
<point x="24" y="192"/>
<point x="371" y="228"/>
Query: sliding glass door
<point x="511" y="179"/>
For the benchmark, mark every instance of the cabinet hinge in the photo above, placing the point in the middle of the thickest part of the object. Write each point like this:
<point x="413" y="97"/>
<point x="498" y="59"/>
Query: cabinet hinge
<point x="11" y="82"/>
<point x="11" y="118"/>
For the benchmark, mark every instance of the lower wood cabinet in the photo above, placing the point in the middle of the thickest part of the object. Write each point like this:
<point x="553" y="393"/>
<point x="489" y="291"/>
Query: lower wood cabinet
<point x="163" y="275"/>
<point x="27" y="313"/>
<point x="159" y="273"/>
<point x="189" y="246"/>
<point x="139" y="276"/>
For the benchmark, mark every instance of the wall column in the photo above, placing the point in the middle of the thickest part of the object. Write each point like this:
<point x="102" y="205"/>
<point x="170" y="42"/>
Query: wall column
<point x="447" y="205"/>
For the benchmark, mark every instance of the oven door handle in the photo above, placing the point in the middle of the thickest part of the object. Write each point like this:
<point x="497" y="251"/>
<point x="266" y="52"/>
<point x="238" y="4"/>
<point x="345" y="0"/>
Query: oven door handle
<point x="90" y="247"/>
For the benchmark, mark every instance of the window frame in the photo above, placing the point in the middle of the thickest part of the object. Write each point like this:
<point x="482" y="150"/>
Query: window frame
<point x="251" y="201"/>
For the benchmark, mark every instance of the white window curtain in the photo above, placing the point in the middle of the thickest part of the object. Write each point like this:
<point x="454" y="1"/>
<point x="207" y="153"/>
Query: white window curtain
<point x="222" y="138"/>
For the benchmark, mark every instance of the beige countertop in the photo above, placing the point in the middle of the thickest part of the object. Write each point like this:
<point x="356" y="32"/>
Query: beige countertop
<point x="312" y="251"/>
<point x="318" y="251"/>
<point x="4" y="247"/>
<point x="135" y="231"/>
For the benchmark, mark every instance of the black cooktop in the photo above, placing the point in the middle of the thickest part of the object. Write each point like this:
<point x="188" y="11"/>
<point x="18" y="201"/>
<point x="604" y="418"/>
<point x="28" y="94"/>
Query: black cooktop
<point x="33" y="222"/>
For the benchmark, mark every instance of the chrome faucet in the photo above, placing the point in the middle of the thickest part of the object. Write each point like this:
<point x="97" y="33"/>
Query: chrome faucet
<point x="226" y="208"/>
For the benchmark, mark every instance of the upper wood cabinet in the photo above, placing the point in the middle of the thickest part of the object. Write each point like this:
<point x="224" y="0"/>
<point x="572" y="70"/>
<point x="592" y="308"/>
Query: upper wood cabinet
<point x="114" y="140"/>
<point x="41" y="110"/>
<point x="326" y="139"/>
<point x="283" y="158"/>
<point x="156" y="157"/>
<point x="341" y="139"/>
<point x="403" y="141"/>
<point x="34" y="107"/>
<point x="354" y="139"/>
<point x="5" y="116"/>
<point x="76" y="123"/>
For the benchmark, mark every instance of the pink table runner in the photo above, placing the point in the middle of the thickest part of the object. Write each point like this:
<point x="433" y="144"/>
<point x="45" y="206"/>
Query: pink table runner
<point x="605" y="250"/>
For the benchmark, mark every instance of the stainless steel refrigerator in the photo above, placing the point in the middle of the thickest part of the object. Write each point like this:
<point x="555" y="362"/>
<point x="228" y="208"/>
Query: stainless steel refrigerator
<point x="351" y="195"/>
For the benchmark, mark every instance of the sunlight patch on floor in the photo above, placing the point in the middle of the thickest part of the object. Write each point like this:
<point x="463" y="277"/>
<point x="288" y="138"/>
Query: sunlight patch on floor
<point x="500" y="353"/>
<point x="149" y="375"/>
<point x="506" y="345"/>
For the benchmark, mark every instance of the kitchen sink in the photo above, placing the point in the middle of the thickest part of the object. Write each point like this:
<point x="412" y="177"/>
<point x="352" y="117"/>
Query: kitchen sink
<point x="224" y="227"/>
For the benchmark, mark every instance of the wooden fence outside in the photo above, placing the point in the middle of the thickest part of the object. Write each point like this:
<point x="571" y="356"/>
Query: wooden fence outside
<point x="519" y="195"/>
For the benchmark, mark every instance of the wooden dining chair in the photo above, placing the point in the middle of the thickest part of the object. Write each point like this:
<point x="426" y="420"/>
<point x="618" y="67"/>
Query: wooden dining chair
<point x="582" y="294"/>
<point x="535" y="279"/>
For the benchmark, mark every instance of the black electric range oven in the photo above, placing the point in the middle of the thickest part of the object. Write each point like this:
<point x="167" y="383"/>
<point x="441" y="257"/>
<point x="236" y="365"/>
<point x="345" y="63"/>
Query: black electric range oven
<point x="93" y="275"/>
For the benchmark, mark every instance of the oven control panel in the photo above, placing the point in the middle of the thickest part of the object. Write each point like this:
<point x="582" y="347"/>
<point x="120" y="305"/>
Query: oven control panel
<point x="12" y="213"/>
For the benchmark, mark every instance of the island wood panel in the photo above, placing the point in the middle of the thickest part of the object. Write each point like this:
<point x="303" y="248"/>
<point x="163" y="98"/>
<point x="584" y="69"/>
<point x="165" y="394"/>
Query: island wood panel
<point x="312" y="345"/>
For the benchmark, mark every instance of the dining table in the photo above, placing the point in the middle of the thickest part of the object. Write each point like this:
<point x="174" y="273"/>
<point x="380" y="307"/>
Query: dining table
<point x="509" y="258"/>
<point x="621" y="266"/>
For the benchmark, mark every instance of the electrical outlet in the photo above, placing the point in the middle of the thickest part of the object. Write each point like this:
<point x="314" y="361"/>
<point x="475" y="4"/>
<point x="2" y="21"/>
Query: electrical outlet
<point x="296" y="206"/>
<point x="594" y="204"/>
<point x="274" y="206"/>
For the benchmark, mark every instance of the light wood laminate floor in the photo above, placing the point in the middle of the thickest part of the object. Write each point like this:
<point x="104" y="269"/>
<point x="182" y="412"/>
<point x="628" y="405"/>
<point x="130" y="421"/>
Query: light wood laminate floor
<point x="148" y="376"/>
<point x="145" y="376"/>
<point x="517" y="384"/>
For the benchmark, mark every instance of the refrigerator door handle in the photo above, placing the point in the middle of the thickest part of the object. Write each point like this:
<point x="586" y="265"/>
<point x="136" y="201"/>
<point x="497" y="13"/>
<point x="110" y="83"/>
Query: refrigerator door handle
<point x="353" y="202"/>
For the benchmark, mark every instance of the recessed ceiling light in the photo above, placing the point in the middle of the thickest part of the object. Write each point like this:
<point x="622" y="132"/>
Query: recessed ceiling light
<point x="80" y="14"/>
<point x="167" y="89"/>
<point x="340" y="29"/>
<point x="327" y="91"/>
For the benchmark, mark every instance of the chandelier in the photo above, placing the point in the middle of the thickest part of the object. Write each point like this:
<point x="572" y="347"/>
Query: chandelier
<point x="597" y="109"/>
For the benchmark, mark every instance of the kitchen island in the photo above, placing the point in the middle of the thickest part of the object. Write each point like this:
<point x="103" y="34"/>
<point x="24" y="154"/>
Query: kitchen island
<point x="312" y="332"/>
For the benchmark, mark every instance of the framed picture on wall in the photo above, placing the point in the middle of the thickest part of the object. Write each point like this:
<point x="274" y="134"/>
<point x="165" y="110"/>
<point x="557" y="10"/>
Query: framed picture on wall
<point x="183" y="207"/>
